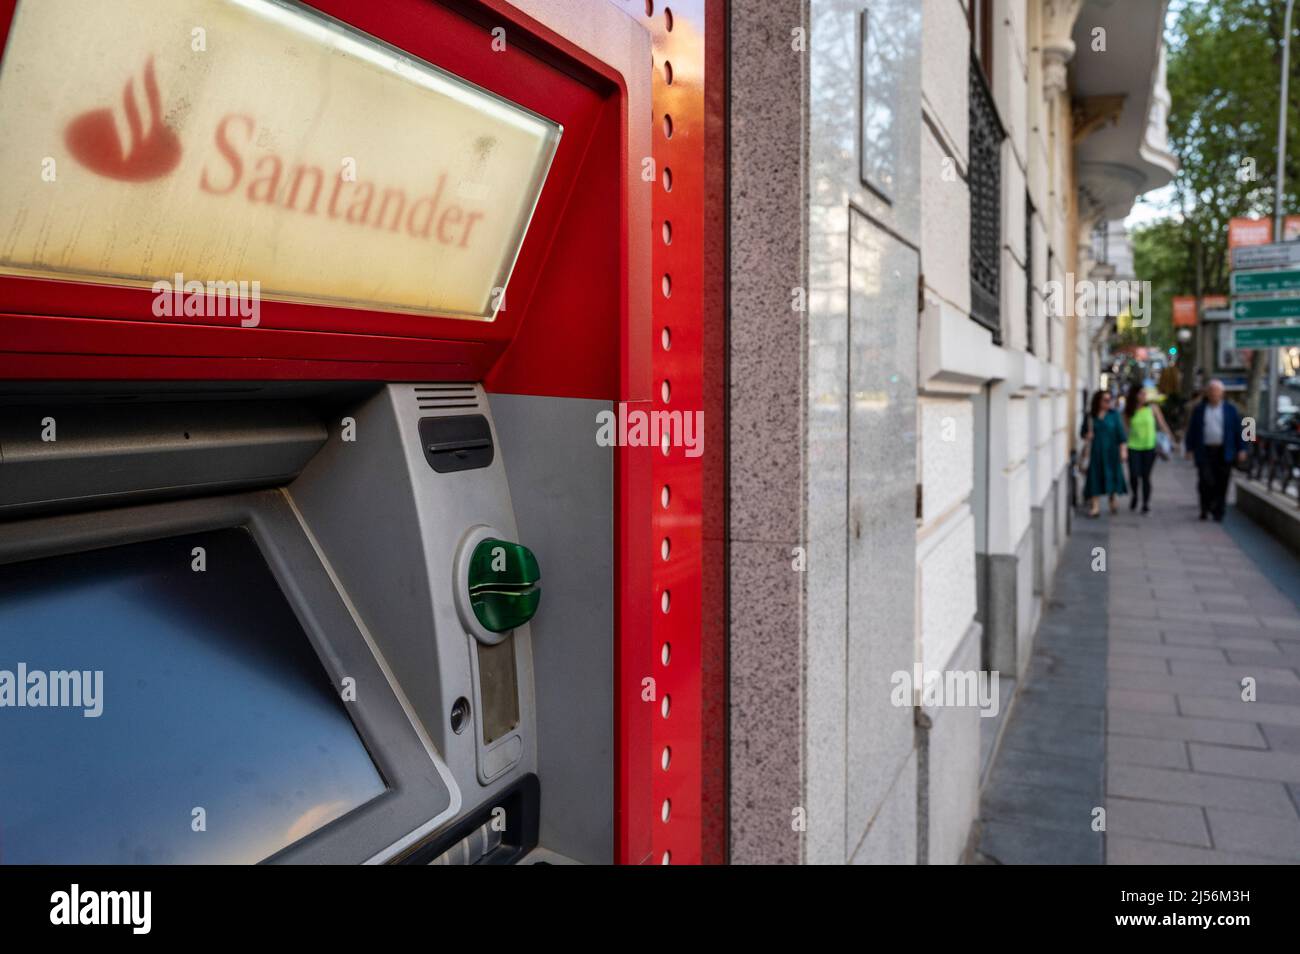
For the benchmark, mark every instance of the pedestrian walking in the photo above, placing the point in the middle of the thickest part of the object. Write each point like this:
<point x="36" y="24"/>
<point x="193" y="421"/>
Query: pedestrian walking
<point x="1214" y="441"/>
<point x="1106" y="452"/>
<point x="1145" y="425"/>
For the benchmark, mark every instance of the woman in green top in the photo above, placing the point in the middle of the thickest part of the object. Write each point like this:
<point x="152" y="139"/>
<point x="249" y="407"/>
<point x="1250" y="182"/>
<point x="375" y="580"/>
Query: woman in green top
<point x="1106" y="451"/>
<point x="1142" y="418"/>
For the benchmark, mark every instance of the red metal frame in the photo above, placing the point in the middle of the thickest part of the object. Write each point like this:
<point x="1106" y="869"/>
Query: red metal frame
<point x="569" y="270"/>
<point x="568" y="331"/>
<point x="689" y="796"/>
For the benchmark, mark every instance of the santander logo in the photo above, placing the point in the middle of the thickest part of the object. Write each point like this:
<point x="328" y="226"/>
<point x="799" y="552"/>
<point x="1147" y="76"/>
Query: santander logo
<point x="152" y="149"/>
<point x="125" y="144"/>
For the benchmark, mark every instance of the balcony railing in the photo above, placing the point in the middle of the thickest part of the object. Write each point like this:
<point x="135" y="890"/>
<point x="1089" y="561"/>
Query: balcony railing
<point x="985" y="181"/>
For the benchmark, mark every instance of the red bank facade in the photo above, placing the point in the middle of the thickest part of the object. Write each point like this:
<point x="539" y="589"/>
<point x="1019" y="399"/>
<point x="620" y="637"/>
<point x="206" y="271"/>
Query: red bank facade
<point x="311" y="313"/>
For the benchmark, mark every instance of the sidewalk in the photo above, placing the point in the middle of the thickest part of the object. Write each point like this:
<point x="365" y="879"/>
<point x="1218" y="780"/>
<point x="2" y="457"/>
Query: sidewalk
<point x="1133" y="698"/>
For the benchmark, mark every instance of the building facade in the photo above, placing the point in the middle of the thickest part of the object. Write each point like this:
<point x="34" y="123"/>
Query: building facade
<point x="914" y="186"/>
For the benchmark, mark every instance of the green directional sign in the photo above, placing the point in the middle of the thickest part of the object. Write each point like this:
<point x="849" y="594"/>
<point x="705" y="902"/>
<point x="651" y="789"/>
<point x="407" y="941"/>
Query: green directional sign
<point x="1265" y="336"/>
<point x="1265" y="309"/>
<point x="1259" y="283"/>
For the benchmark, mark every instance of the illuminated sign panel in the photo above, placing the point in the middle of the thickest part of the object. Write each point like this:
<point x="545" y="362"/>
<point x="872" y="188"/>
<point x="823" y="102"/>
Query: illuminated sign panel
<point x="256" y="140"/>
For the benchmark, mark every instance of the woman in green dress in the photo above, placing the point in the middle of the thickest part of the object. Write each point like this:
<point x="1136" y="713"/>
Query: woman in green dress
<point x="1143" y="419"/>
<point x="1107" y="452"/>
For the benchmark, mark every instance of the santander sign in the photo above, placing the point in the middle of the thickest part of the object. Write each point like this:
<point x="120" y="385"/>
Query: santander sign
<point x="153" y="150"/>
<point x="305" y="188"/>
<point x="285" y="149"/>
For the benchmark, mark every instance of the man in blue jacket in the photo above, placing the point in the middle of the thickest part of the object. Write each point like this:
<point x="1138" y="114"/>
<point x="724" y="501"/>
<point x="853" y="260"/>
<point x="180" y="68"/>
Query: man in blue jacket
<point x="1214" y="440"/>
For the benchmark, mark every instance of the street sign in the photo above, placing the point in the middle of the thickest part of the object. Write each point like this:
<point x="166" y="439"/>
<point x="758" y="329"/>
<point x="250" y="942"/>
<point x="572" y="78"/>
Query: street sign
<point x="1265" y="336"/>
<point x="1265" y="309"/>
<point x="1243" y="232"/>
<point x="1276" y="255"/>
<point x="1258" y="283"/>
<point x="1184" y="311"/>
<point x="1216" y="314"/>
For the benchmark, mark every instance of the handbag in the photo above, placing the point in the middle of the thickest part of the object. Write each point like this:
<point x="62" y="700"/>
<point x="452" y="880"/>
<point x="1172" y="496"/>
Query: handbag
<point x="1164" y="446"/>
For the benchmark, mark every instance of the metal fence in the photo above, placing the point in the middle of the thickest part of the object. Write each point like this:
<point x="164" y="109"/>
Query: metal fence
<point x="1274" y="458"/>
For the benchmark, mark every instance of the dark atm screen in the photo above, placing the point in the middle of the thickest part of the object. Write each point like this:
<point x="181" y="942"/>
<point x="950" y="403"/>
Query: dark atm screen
<point x="162" y="705"/>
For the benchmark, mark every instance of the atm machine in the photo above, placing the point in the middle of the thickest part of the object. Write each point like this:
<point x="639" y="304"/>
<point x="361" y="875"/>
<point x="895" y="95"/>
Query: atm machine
<point x="308" y="552"/>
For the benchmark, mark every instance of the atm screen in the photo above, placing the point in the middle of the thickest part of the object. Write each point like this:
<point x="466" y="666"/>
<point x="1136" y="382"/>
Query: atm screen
<point x="161" y="703"/>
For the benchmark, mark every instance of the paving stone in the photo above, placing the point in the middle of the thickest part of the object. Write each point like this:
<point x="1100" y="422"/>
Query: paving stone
<point x="1123" y="850"/>
<point x="1241" y="763"/>
<point x="1080" y="776"/>
<point x="1125" y="636"/>
<point x="1248" y="658"/>
<point x="1133" y="611"/>
<point x="1210" y="707"/>
<point x="1156" y="726"/>
<point x="1202" y="685"/>
<point x="1008" y="843"/>
<point x="1195" y="788"/>
<point x="1074" y="692"/>
<point x="1128" y="663"/>
<point x="1235" y="672"/>
<point x="1255" y="834"/>
<point x="1071" y="689"/>
<point x="1282" y="738"/>
<point x="1052" y="739"/>
<point x="1176" y="638"/>
<point x="1166" y="651"/>
<point x="1158" y="821"/>
<point x="1039" y="806"/>
<point x="1135" y="750"/>
<point x="1291" y="623"/>
<point x="1163" y="703"/>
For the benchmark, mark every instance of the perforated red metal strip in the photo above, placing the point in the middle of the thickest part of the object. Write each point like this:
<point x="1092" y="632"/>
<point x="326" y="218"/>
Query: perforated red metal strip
<point x="687" y="725"/>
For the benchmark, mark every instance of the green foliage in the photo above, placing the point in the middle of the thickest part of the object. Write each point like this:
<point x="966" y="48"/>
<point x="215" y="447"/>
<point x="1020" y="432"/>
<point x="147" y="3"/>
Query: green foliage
<point x="1163" y="257"/>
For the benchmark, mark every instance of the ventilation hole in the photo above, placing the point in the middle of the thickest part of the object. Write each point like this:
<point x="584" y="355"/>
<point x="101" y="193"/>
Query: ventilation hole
<point x="666" y="653"/>
<point x="668" y="232"/>
<point x="668" y="126"/>
<point x="666" y="758"/>
<point x="667" y="858"/>
<point x="664" y="548"/>
<point x="668" y="72"/>
<point x="668" y="179"/>
<point x="666" y="285"/>
<point x="665" y="706"/>
<point x="666" y="339"/>
<point x="664" y="496"/>
<point x="649" y="8"/>
<point x="664" y="445"/>
<point x="665" y="600"/>
<point x="666" y="810"/>
<point x="668" y="19"/>
<point x="665" y="391"/>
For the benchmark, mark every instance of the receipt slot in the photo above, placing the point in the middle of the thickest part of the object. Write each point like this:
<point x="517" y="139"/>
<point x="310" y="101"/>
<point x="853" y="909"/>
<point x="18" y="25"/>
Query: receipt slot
<point x="299" y="402"/>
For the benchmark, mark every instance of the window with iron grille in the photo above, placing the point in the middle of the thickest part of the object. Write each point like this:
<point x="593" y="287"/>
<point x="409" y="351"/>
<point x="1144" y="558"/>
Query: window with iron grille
<point x="1029" y="274"/>
<point x="985" y="180"/>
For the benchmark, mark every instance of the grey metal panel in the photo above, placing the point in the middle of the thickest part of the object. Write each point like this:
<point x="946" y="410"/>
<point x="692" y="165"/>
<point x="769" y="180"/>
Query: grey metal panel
<point x="108" y="454"/>
<point x="390" y="526"/>
<point x="562" y="486"/>
<point x="421" y="794"/>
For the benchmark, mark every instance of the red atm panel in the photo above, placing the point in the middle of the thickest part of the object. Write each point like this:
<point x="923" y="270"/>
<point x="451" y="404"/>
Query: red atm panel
<point x="614" y="296"/>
